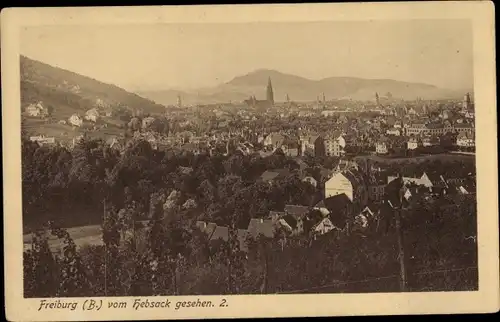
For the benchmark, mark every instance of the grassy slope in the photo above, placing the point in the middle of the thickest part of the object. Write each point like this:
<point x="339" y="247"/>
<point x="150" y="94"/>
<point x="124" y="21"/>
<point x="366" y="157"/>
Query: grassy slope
<point x="42" y="82"/>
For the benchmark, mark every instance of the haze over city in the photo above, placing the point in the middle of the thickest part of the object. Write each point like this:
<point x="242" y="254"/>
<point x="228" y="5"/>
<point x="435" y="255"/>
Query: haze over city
<point x="188" y="56"/>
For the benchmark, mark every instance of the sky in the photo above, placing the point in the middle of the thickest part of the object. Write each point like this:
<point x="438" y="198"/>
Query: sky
<point x="188" y="56"/>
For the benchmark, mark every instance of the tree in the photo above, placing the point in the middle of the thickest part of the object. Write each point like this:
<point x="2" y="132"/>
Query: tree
<point x="40" y="268"/>
<point x="50" y="110"/>
<point x="111" y="236"/>
<point x="73" y="277"/>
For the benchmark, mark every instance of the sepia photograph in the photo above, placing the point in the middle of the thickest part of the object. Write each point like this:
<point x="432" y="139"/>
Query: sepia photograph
<point x="248" y="158"/>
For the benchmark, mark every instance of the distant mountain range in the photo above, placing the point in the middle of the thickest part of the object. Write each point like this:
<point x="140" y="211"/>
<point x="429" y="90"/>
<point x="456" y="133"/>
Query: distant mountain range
<point x="301" y="89"/>
<point x="69" y="92"/>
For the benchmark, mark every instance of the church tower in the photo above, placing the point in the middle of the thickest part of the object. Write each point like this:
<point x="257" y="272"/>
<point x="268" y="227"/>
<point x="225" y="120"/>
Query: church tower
<point x="467" y="102"/>
<point x="270" y="94"/>
<point x="179" y="101"/>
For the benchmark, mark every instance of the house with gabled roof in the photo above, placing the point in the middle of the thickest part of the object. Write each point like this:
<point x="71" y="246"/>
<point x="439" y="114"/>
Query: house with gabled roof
<point x="75" y="120"/>
<point x="286" y="225"/>
<point x="396" y="194"/>
<point x="275" y="216"/>
<point x="338" y="208"/>
<point x="297" y="211"/>
<point x="334" y="144"/>
<point x="393" y="131"/>
<point x="351" y="183"/>
<point x="413" y="143"/>
<point x="92" y="115"/>
<point x="259" y="226"/>
<point x="382" y="145"/>
<point x="322" y="227"/>
<point x="369" y="214"/>
<point x="295" y="216"/>
<point x="466" y="139"/>
<point x="430" y="141"/>
<point x="270" y="176"/>
<point x="36" y="109"/>
<point x="274" y="140"/>
<point x="215" y="232"/>
<point x="423" y="180"/>
<point x="43" y="140"/>
<point x="313" y="145"/>
<point x="376" y="186"/>
<point x="290" y="146"/>
<point x="296" y="224"/>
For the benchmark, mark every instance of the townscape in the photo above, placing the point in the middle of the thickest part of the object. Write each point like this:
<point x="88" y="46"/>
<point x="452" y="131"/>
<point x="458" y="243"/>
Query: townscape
<point x="125" y="196"/>
<point x="303" y="173"/>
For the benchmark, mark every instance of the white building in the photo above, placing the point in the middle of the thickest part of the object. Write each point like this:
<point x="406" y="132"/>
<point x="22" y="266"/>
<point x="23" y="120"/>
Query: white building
<point x="323" y="227"/>
<point x="75" y="89"/>
<point x="36" y="109"/>
<point x="424" y="180"/>
<point x="381" y="147"/>
<point x="41" y="139"/>
<point x="376" y="191"/>
<point x="327" y="113"/>
<point x="274" y="140"/>
<point x="348" y="182"/>
<point x="466" y="140"/>
<point x="75" y="120"/>
<point x="334" y="146"/>
<point x="413" y="143"/>
<point x="394" y="131"/>
<point x="92" y="115"/>
<point x="430" y="141"/>
<point x="469" y="114"/>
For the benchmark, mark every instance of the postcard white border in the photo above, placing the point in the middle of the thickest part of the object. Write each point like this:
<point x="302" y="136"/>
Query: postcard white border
<point x="481" y="15"/>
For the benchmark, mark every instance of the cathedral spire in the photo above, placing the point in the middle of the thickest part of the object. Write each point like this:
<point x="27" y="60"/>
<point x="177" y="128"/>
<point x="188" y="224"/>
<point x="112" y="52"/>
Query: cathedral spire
<point x="179" y="101"/>
<point x="270" y="94"/>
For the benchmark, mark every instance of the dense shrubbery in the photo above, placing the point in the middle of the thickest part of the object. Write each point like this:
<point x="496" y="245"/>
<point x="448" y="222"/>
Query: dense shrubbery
<point x="167" y="256"/>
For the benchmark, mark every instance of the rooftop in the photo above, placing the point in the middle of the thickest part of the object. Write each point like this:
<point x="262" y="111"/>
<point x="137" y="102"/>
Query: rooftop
<point x="296" y="210"/>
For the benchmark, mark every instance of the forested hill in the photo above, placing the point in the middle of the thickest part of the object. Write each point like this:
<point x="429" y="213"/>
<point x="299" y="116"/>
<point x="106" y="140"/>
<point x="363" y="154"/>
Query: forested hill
<point x="69" y="92"/>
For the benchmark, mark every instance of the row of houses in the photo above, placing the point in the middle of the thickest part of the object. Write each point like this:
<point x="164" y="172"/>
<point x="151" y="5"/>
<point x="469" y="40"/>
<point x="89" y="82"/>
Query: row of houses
<point x="330" y="144"/>
<point x="92" y="115"/>
<point x="294" y="220"/>
<point x="352" y="200"/>
<point x="437" y="129"/>
<point x="464" y="139"/>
